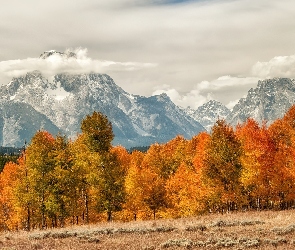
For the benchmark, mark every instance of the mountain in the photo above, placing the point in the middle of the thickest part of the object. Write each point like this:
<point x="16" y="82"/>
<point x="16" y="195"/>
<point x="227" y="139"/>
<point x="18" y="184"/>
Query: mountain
<point x="267" y="102"/>
<point x="65" y="55"/>
<point x="209" y="113"/>
<point x="19" y="122"/>
<point x="66" y="99"/>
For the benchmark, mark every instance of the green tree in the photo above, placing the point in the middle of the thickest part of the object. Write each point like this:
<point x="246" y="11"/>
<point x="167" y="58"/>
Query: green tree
<point x="109" y="173"/>
<point x="62" y="181"/>
<point x="110" y="185"/>
<point x="99" y="132"/>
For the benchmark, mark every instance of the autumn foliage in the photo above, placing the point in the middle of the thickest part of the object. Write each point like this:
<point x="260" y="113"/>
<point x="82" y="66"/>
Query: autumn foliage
<point x="58" y="182"/>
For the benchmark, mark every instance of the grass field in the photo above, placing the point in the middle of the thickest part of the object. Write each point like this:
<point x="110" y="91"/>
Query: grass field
<point x="242" y="230"/>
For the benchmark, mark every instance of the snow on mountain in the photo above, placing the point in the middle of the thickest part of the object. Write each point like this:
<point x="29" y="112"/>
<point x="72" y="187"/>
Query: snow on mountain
<point x="32" y="102"/>
<point x="268" y="102"/>
<point x="209" y="113"/>
<point x="67" y="99"/>
<point x="65" y="55"/>
<point x="19" y="122"/>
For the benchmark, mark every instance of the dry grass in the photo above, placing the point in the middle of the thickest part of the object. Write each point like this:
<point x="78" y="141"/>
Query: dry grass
<point x="248" y="230"/>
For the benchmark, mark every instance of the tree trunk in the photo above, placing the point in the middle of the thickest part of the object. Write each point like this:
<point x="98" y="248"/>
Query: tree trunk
<point x="28" y="226"/>
<point x="109" y="216"/>
<point x="86" y="207"/>
<point x="43" y="212"/>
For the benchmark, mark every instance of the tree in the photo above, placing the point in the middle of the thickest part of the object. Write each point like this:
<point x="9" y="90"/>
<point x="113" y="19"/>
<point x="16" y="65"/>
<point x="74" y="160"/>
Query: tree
<point x="98" y="131"/>
<point x="110" y="185"/>
<point x="153" y="186"/>
<point x="62" y="182"/>
<point x="39" y="170"/>
<point x="222" y="164"/>
<point x="258" y="172"/>
<point x="108" y="174"/>
<point x="83" y="175"/>
<point x="8" y="211"/>
<point x="184" y="192"/>
<point x="283" y="136"/>
<point x="164" y="159"/>
<point x="133" y="186"/>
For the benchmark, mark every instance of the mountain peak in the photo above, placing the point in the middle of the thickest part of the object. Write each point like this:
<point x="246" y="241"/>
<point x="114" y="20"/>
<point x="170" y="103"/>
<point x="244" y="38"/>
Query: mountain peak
<point x="211" y="104"/>
<point x="136" y="121"/>
<point x="67" y="54"/>
<point x="267" y="102"/>
<point x="163" y="97"/>
<point x="208" y="113"/>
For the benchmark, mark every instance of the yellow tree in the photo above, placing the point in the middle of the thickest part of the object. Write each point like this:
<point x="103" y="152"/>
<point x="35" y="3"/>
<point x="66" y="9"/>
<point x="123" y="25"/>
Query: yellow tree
<point x="39" y="171"/>
<point x="222" y="165"/>
<point x="184" y="192"/>
<point x="83" y="174"/>
<point x="122" y="155"/>
<point x="154" y="193"/>
<point x="166" y="158"/>
<point x="133" y="186"/>
<point x="258" y="172"/>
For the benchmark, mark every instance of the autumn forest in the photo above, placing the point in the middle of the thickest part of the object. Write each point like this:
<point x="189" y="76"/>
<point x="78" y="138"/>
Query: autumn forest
<point x="58" y="182"/>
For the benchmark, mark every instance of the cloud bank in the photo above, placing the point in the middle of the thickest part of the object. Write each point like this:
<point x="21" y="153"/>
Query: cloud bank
<point x="57" y="63"/>
<point x="193" y="46"/>
<point x="218" y="89"/>
<point x="209" y="90"/>
<point x="279" y="66"/>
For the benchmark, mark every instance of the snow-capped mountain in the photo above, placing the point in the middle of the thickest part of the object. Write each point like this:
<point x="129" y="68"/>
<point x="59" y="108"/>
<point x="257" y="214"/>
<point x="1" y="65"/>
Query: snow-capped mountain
<point x="67" y="99"/>
<point x="67" y="54"/>
<point x="268" y="102"/>
<point x="209" y="113"/>
<point x="19" y="122"/>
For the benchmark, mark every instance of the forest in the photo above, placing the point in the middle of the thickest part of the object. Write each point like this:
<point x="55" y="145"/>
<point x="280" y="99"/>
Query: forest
<point x="57" y="182"/>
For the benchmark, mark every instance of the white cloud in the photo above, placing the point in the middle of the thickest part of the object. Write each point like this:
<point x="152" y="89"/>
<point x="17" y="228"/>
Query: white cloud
<point x="193" y="98"/>
<point x="56" y="63"/>
<point x="279" y="66"/>
<point x="231" y="104"/>
<point x="204" y="91"/>
<point x="190" y="43"/>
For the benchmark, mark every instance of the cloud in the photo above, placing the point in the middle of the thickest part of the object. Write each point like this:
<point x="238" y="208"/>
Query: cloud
<point x="229" y="89"/>
<point x="57" y="63"/>
<point x="218" y="89"/>
<point x="231" y="104"/>
<point x="189" y="43"/>
<point x="279" y="66"/>
<point x="165" y="2"/>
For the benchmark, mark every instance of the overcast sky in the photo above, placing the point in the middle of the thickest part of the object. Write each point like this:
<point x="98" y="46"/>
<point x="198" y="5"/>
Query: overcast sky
<point x="193" y="50"/>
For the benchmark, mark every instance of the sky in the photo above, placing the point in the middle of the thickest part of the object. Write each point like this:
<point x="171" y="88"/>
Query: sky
<point x="193" y="50"/>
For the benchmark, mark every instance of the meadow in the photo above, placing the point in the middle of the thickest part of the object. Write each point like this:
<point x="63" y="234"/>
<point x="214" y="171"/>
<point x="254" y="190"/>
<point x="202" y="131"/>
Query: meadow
<point x="235" y="230"/>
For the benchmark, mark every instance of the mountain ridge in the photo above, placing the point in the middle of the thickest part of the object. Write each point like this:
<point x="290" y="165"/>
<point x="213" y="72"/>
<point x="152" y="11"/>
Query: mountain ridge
<point x="63" y="100"/>
<point x="136" y="120"/>
<point x="267" y="102"/>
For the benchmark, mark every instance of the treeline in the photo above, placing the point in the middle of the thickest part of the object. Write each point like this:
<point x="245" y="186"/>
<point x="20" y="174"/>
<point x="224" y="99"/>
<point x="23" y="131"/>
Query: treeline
<point x="57" y="182"/>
